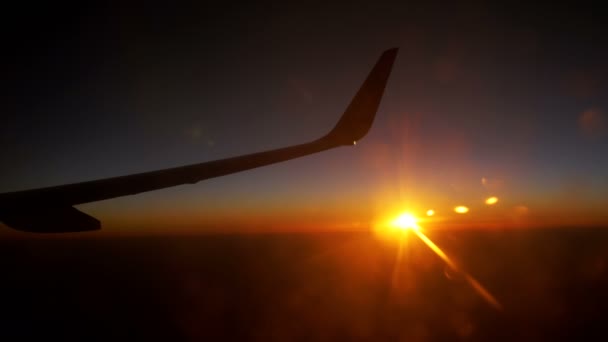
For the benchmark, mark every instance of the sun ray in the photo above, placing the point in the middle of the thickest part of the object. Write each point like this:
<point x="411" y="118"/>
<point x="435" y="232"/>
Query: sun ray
<point x="437" y="250"/>
<point x="482" y="291"/>
<point x="407" y="222"/>
<point x="397" y="268"/>
<point x="476" y="285"/>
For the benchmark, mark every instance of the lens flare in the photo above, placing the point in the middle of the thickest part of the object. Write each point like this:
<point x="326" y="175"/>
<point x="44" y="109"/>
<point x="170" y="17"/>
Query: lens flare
<point x="409" y="222"/>
<point x="492" y="200"/>
<point x="476" y="285"/>
<point x="461" y="209"/>
<point x="430" y="212"/>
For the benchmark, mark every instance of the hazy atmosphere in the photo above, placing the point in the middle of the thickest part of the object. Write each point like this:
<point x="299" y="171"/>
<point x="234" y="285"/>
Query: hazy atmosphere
<point x="484" y="100"/>
<point x="473" y="210"/>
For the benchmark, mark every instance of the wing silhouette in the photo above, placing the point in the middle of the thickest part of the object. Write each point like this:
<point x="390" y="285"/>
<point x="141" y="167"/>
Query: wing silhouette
<point x="49" y="210"/>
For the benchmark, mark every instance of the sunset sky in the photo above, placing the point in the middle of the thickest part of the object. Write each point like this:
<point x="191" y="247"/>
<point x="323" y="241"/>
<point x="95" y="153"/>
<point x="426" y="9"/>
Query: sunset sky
<point x="483" y="101"/>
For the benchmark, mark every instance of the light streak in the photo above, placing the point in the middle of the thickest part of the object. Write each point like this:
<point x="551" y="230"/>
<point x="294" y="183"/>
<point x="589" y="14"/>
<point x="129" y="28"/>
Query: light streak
<point x="476" y="285"/>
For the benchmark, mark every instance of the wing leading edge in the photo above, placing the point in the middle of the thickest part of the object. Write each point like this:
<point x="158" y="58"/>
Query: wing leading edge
<point x="49" y="210"/>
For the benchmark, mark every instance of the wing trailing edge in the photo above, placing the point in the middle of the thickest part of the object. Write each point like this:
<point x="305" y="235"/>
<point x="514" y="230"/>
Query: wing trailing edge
<point x="49" y="219"/>
<point x="49" y="210"/>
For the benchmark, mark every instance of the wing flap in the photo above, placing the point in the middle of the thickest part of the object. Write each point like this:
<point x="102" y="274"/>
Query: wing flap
<point x="51" y="219"/>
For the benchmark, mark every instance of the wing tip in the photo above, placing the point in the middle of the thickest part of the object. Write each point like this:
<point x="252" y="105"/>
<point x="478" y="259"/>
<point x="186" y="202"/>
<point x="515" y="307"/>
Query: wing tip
<point x="391" y="52"/>
<point x="361" y="112"/>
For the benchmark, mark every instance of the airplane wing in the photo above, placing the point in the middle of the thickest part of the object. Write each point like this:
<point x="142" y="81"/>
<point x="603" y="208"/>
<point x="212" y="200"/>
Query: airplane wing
<point x="50" y="210"/>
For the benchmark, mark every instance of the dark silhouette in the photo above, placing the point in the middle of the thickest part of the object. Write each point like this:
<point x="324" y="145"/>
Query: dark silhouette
<point x="49" y="210"/>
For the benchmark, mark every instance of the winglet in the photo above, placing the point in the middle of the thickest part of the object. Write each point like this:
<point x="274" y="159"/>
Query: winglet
<point x="360" y="113"/>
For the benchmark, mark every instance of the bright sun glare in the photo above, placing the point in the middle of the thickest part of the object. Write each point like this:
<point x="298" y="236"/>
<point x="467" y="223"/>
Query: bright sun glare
<point x="405" y="221"/>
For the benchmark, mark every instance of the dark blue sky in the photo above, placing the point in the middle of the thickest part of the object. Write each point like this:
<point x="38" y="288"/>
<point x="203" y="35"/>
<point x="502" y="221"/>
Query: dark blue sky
<point x="514" y="95"/>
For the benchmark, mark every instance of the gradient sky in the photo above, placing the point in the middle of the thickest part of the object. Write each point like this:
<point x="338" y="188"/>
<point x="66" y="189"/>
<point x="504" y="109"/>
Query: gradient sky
<point x="515" y="96"/>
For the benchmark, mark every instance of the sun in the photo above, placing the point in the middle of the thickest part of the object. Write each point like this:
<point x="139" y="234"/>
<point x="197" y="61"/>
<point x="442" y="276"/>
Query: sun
<point x="405" y="221"/>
